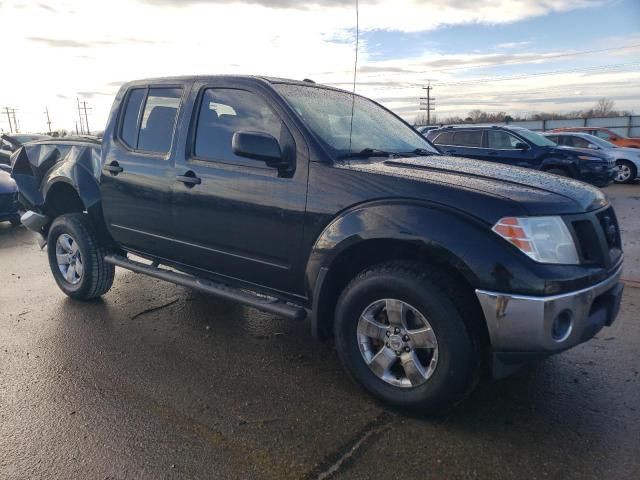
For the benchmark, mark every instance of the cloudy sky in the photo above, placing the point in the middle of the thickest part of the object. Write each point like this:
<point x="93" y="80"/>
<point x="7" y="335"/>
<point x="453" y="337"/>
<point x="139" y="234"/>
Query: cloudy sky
<point x="517" y="56"/>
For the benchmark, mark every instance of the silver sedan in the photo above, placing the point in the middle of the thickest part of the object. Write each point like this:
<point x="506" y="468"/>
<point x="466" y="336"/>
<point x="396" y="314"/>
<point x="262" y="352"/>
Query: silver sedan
<point x="627" y="159"/>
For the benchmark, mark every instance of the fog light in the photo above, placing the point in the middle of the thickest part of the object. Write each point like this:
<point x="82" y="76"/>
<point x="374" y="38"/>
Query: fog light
<point x="562" y="326"/>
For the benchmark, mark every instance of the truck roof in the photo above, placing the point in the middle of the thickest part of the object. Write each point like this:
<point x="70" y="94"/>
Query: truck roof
<point x="258" y="78"/>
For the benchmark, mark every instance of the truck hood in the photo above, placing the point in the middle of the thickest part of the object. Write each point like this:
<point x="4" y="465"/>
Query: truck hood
<point x="536" y="192"/>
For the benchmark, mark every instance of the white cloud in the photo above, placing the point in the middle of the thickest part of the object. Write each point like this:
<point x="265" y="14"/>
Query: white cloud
<point x="63" y="49"/>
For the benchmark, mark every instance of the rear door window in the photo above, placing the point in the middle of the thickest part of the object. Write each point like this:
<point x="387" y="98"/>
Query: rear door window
<point x="499" y="139"/>
<point x="129" y="131"/>
<point x="468" y="138"/>
<point x="149" y="119"/>
<point x="158" y="120"/>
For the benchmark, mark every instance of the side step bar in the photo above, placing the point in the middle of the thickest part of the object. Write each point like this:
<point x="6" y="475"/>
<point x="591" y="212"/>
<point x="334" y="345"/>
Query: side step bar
<point x="267" y="304"/>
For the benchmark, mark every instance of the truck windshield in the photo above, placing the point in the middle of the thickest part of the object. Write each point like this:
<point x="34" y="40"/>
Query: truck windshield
<point x="376" y="131"/>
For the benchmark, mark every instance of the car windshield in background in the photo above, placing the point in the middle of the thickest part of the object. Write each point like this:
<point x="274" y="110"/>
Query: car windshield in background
<point x="375" y="130"/>
<point x="535" y="138"/>
<point x="599" y="141"/>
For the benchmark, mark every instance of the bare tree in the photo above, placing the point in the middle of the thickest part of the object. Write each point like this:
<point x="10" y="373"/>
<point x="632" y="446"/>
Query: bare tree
<point x="603" y="107"/>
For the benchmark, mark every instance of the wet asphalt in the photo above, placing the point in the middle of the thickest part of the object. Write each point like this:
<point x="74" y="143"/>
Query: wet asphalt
<point x="158" y="381"/>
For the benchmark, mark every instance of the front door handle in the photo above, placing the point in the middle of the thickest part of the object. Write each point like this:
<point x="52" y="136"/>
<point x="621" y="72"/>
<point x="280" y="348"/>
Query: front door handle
<point x="189" y="179"/>
<point x="113" y="168"/>
<point x="449" y="151"/>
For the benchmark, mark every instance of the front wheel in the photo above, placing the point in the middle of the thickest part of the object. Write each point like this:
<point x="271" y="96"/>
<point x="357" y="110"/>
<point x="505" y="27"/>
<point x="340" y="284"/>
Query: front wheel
<point x="400" y="335"/>
<point x="76" y="257"/>
<point x="625" y="172"/>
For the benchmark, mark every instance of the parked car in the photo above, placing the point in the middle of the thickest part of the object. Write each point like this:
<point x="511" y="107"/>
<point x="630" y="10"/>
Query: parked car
<point x="424" y="129"/>
<point x="627" y="159"/>
<point x="10" y="143"/>
<point x="518" y="146"/>
<point x="605" y="134"/>
<point x="425" y="269"/>
<point x="8" y="199"/>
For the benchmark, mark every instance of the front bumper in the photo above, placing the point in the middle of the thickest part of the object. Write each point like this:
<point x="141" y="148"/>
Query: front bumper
<point x="522" y="327"/>
<point x="598" y="174"/>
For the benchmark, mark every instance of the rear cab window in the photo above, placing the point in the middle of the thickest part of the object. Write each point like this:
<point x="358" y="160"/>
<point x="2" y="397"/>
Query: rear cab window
<point x="148" y="124"/>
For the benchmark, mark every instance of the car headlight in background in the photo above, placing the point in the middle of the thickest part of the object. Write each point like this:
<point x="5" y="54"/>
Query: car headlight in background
<point x="544" y="239"/>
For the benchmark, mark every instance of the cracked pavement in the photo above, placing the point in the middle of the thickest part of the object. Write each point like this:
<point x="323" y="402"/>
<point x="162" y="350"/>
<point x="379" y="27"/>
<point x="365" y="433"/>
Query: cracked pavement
<point x="158" y="381"/>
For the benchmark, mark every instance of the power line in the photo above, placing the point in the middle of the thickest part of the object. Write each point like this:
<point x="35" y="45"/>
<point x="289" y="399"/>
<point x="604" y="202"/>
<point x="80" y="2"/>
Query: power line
<point x="541" y="74"/>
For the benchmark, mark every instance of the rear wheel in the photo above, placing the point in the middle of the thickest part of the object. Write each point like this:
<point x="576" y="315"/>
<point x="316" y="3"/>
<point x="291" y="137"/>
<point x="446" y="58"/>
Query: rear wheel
<point x="626" y="172"/>
<point x="76" y="257"/>
<point x="399" y="334"/>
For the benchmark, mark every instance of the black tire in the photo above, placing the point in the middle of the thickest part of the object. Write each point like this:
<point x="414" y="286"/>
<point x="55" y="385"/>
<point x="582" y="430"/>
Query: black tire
<point x="459" y="354"/>
<point x="97" y="276"/>
<point x="632" y="168"/>
<point x="559" y="171"/>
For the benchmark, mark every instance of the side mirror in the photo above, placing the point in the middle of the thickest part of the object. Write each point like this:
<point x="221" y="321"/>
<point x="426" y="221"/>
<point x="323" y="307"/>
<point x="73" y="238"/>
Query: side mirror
<point x="592" y="146"/>
<point x="5" y="147"/>
<point x="259" y="146"/>
<point x="522" y="146"/>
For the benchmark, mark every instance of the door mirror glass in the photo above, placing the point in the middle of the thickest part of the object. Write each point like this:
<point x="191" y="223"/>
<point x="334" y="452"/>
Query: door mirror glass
<point x="522" y="146"/>
<point x="258" y="146"/>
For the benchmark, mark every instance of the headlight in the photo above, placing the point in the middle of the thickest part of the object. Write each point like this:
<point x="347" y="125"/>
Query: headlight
<point x="544" y="239"/>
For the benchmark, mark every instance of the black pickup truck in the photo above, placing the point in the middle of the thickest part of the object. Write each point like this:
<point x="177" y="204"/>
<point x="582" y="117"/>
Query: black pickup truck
<point x="306" y="201"/>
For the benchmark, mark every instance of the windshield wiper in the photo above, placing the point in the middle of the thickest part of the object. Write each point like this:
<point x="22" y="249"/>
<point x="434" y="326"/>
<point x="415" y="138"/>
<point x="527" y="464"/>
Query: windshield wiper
<point x="368" y="152"/>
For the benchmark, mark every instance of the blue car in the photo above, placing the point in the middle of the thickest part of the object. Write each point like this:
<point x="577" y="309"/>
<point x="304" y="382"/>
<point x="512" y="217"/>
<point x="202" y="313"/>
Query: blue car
<point x="8" y="199"/>
<point x="521" y="147"/>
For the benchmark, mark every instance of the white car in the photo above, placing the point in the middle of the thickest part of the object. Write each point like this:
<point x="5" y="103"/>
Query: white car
<point x="627" y="159"/>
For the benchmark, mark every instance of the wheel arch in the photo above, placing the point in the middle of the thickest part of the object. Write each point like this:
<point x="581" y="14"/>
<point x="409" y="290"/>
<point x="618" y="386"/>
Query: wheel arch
<point x="425" y="236"/>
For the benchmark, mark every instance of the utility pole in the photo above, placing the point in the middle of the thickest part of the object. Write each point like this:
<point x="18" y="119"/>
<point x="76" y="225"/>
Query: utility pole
<point x="428" y="103"/>
<point x="16" y="126"/>
<point x="79" y="116"/>
<point x="46" y="111"/>
<point x="6" y="110"/>
<point x="86" y="117"/>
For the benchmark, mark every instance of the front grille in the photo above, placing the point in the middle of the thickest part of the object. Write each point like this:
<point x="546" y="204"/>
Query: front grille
<point x="609" y="224"/>
<point x="597" y="237"/>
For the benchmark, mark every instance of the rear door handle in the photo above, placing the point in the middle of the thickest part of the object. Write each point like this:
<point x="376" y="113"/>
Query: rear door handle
<point x="113" y="168"/>
<point x="189" y="179"/>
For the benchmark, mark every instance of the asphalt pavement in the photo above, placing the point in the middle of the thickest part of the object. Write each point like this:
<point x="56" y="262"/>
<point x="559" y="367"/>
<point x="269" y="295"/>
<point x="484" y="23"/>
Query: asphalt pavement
<point x="158" y="381"/>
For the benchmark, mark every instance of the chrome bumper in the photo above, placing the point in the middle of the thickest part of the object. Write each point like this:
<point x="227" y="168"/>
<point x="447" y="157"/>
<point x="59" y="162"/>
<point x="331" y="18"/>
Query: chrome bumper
<point x="545" y="325"/>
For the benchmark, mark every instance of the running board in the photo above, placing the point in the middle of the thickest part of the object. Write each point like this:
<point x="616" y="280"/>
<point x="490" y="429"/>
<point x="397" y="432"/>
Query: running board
<point x="264" y="303"/>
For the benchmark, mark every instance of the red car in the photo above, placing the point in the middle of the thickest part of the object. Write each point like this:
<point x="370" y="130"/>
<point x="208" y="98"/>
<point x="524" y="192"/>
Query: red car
<point x="604" y="133"/>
